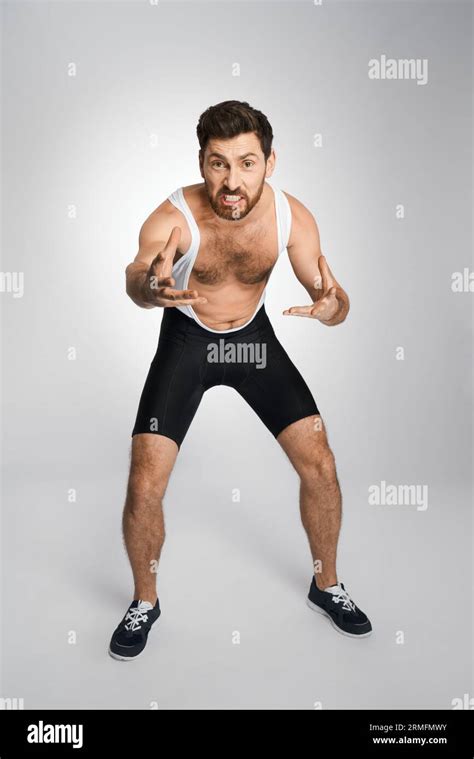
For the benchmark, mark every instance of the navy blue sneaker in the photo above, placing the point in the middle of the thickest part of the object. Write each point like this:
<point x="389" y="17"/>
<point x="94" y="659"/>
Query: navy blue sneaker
<point x="334" y="602"/>
<point x="130" y="636"/>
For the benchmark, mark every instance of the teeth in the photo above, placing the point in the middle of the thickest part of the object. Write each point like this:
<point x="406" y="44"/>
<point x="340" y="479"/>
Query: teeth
<point x="232" y="197"/>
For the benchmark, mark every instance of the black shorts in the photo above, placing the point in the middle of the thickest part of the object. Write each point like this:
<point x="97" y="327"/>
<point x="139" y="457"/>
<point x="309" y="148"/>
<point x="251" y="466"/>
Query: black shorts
<point x="190" y="359"/>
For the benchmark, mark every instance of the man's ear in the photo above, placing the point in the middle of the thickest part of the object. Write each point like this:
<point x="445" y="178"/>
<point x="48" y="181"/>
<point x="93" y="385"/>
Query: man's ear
<point x="271" y="160"/>
<point x="201" y="158"/>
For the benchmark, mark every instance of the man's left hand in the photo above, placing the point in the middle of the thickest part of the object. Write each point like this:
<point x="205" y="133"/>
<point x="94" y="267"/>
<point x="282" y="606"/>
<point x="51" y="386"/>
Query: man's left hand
<point x="327" y="305"/>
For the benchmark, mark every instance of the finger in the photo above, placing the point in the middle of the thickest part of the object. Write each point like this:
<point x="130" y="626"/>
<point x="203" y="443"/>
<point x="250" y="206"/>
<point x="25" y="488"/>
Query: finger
<point x="329" y="302"/>
<point x="166" y="282"/>
<point x="185" y="302"/>
<point x="167" y="292"/>
<point x="321" y="308"/>
<point x="327" y="278"/>
<point x="328" y="296"/>
<point x="319" y="312"/>
<point x="326" y="307"/>
<point x="173" y="241"/>
<point x="162" y="264"/>
<point x="156" y="283"/>
<point x="161" y="268"/>
<point x="297" y="310"/>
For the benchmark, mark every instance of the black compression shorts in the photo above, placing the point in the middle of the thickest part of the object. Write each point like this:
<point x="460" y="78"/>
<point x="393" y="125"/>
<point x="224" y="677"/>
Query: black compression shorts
<point x="190" y="359"/>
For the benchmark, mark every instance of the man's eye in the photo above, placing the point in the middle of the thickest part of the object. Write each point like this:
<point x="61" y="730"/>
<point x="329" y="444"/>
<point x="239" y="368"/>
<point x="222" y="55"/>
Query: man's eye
<point x="216" y="162"/>
<point x="249" y="162"/>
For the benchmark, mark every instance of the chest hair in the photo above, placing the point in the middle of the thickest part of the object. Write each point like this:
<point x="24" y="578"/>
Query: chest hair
<point x="247" y="258"/>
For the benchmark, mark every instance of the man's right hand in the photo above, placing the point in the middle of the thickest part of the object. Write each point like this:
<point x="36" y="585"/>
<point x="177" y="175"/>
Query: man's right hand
<point x="158" y="286"/>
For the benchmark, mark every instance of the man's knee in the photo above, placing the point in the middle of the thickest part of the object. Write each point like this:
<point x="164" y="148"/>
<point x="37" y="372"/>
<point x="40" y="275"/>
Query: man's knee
<point x="152" y="460"/>
<point x="318" y="463"/>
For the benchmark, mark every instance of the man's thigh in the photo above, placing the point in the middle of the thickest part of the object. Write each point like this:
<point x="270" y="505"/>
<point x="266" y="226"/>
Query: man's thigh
<point x="173" y="389"/>
<point x="152" y="459"/>
<point x="277" y="392"/>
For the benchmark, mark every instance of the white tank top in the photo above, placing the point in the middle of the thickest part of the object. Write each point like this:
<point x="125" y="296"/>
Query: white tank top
<point x="183" y="267"/>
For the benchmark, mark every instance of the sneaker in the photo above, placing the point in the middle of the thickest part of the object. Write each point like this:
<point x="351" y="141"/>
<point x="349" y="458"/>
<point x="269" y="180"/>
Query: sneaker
<point x="334" y="602"/>
<point x="129" y="638"/>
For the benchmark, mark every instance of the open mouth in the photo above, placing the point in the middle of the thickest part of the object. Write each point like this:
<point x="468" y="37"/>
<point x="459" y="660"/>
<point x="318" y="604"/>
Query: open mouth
<point x="231" y="200"/>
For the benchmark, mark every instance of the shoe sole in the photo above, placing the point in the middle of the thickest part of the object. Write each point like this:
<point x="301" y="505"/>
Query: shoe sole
<point x="317" y="608"/>
<point x="123" y="658"/>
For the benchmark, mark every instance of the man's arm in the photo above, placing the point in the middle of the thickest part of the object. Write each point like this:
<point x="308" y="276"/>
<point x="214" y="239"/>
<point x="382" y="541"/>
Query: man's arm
<point x="329" y="302"/>
<point x="148" y="278"/>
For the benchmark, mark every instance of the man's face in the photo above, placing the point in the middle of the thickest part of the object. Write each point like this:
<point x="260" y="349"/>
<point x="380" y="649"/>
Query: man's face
<point x="234" y="172"/>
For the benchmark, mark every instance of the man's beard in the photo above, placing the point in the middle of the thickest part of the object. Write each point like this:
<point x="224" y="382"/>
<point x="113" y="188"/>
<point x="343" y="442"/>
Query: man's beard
<point x="237" y="212"/>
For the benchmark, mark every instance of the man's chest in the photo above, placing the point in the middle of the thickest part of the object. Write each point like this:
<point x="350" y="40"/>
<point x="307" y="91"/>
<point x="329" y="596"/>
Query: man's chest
<point x="245" y="255"/>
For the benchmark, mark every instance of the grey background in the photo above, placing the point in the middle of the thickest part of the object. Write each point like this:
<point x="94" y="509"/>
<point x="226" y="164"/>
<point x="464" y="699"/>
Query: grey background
<point x="151" y="70"/>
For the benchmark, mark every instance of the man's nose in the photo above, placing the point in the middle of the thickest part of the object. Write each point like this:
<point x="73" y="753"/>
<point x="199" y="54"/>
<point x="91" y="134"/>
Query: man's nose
<point x="233" y="180"/>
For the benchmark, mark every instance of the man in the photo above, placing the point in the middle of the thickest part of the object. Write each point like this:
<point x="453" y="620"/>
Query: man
<point x="205" y="256"/>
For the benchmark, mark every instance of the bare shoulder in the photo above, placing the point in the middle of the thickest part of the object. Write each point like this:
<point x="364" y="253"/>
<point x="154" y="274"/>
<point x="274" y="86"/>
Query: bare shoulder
<point x="158" y="225"/>
<point x="303" y="220"/>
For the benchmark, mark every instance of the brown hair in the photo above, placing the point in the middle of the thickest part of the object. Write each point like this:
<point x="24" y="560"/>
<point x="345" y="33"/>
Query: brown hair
<point x="231" y="118"/>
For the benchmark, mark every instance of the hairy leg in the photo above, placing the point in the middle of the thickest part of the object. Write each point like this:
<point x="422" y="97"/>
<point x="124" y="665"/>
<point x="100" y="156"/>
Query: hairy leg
<point x="306" y="445"/>
<point x="152" y="460"/>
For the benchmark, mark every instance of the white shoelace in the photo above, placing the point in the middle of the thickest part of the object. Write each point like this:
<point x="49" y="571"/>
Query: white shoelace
<point x="342" y="596"/>
<point x="137" y="615"/>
